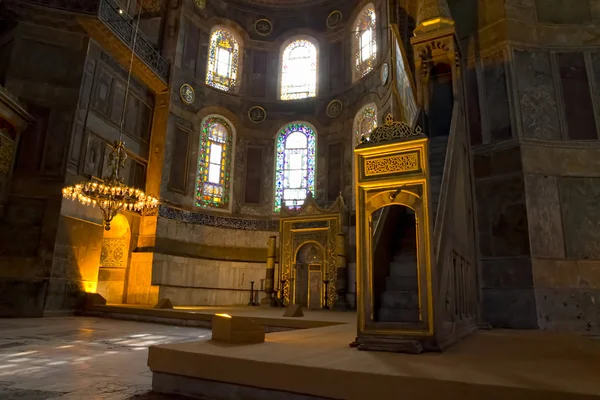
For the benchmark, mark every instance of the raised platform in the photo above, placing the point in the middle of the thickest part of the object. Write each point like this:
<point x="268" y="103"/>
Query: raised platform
<point x="270" y="318"/>
<point x="317" y="363"/>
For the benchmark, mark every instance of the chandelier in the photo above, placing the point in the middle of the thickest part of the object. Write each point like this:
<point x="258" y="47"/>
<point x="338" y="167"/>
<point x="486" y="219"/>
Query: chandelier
<point x="112" y="194"/>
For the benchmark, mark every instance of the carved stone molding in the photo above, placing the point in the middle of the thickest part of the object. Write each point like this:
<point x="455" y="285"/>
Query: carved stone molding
<point x="199" y="218"/>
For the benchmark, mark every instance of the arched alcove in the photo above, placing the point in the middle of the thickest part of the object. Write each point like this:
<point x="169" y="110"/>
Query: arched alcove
<point x="114" y="258"/>
<point x="441" y="100"/>
<point x="308" y="278"/>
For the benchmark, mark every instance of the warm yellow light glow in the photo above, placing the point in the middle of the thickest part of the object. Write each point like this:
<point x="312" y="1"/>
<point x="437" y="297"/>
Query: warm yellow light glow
<point x="90" y="286"/>
<point x="437" y="21"/>
<point x="223" y="315"/>
<point x="431" y="21"/>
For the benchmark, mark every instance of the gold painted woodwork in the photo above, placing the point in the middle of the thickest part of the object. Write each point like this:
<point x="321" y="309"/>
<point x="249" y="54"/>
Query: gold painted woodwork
<point x="390" y="164"/>
<point x="292" y="239"/>
<point x="109" y="41"/>
<point x="403" y="186"/>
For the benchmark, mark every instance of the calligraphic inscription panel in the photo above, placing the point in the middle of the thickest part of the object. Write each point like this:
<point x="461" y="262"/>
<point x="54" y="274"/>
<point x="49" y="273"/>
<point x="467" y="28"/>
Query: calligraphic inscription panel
<point x="407" y="162"/>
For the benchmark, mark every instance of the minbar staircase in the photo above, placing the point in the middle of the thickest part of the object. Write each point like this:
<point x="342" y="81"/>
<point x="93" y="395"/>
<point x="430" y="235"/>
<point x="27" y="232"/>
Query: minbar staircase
<point x="399" y="301"/>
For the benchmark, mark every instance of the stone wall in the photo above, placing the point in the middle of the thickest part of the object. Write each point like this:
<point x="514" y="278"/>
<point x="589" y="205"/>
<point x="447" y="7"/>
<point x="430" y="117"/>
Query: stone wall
<point x="562" y="199"/>
<point x="532" y="95"/>
<point x="30" y="279"/>
<point x="198" y="264"/>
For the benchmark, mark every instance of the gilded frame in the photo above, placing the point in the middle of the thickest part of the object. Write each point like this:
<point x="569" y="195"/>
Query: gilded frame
<point x="402" y="184"/>
<point x="321" y="227"/>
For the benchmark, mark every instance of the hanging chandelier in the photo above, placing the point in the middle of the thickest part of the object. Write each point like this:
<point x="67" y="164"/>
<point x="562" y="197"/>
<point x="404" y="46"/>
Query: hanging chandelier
<point x="112" y="195"/>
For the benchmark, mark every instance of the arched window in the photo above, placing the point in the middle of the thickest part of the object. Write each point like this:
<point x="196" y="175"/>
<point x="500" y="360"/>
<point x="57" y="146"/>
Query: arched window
<point x="299" y="70"/>
<point x="295" y="171"/>
<point x="364" y="42"/>
<point x="214" y="162"/>
<point x="223" y="58"/>
<point x="364" y="122"/>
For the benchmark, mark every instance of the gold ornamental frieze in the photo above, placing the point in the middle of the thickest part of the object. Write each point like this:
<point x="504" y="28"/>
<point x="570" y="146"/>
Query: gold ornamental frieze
<point x="396" y="163"/>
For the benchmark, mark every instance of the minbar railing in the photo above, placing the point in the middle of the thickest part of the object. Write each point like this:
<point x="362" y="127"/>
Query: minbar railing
<point x="118" y="21"/>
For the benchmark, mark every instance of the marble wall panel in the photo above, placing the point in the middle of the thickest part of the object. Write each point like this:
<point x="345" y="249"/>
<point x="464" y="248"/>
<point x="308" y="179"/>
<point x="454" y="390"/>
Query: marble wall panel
<point x="506" y="273"/>
<point x="520" y="10"/>
<point x="537" y="94"/>
<point x="186" y="281"/>
<point x="581" y="216"/>
<point x="595" y="11"/>
<point x="561" y="161"/>
<point x="569" y="309"/>
<point x="502" y="210"/>
<point x="563" y="11"/>
<point x="509" y="308"/>
<point x="544" y="216"/>
<point x="566" y="274"/>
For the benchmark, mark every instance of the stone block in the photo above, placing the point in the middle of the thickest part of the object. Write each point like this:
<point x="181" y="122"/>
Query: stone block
<point x="544" y="216"/>
<point x="164" y="304"/>
<point x="112" y="291"/>
<point x="588" y="274"/>
<point x="549" y="274"/>
<point x="496" y="99"/>
<point x="236" y="330"/>
<point x="537" y="94"/>
<point x="520" y="10"/>
<point x="506" y="273"/>
<point x="569" y="309"/>
<point x="111" y="274"/>
<point x="509" y="308"/>
<point x="563" y="11"/>
<point x="580" y="198"/>
<point x="94" y="299"/>
<point x="293" y="311"/>
<point x="579" y="162"/>
<point x="21" y="298"/>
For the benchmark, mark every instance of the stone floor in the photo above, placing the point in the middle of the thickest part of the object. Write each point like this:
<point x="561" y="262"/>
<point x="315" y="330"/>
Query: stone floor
<point x="82" y="358"/>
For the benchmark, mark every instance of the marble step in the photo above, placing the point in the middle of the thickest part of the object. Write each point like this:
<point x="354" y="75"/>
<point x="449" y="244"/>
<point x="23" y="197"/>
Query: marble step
<point x="405" y="258"/>
<point x="394" y="283"/>
<point x="397" y="315"/>
<point x="400" y="299"/>
<point x="399" y="270"/>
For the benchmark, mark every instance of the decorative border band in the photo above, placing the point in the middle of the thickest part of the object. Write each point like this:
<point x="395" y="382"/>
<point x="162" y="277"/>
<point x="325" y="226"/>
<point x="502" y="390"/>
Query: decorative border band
<point x="198" y="218"/>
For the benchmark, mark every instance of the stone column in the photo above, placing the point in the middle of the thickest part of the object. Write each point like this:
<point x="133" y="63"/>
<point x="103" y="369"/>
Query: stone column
<point x="341" y="283"/>
<point x="268" y="300"/>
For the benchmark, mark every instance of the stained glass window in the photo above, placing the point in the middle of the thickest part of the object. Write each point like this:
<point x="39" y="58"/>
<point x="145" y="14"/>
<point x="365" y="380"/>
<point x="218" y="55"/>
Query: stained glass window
<point x="214" y="163"/>
<point x="365" y="42"/>
<point x="364" y="122"/>
<point x="296" y="145"/>
<point x="223" y="55"/>
<point x="299" y="70"/>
